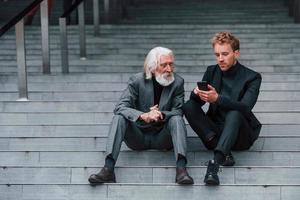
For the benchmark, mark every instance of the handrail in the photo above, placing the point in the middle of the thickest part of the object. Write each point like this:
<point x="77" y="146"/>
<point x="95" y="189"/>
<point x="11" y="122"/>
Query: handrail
<point x="71" y="9"/>
<point x="19" y="16"/>
<point x="18" y="22"/>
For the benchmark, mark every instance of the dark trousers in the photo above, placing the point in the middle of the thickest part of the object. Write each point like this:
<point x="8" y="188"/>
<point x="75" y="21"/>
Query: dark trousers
<point x="233" y="134"/>
<point x="172" y="135"/>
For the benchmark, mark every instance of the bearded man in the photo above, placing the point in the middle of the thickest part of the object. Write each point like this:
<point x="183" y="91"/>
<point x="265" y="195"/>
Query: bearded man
<point x="149" y="116"/>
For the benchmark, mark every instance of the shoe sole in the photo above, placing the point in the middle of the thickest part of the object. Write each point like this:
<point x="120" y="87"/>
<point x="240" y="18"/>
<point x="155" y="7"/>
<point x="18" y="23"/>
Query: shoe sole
<point x="210" y="181"/>
<point x="100" y="182"/>
<point x="185" y="182"/>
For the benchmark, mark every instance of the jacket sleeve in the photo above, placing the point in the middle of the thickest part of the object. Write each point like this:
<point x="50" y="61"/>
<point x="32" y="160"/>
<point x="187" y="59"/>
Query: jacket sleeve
<point x="248" y="100"/>
<point x="177" y="102"/>
<point x="126" y="105"/>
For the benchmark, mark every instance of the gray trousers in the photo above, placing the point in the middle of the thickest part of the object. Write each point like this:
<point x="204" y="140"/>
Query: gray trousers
<point x="172" y="135"/>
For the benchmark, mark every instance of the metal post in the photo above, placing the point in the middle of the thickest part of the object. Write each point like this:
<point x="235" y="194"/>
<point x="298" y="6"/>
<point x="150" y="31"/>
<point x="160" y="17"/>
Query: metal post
<point x="64" y="45"/>
<point x="21" y="61"/>
<point x="96" y="17"/>
<point x="81" y="30"/>
<point x="45" y="36"/>
<point x="291" y="7"/>
<point x="297" y="11"/>
<point x="106" y="11"/>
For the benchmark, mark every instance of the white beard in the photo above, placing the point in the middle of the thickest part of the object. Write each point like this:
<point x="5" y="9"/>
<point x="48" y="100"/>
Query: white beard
<point x="164" y="79"/>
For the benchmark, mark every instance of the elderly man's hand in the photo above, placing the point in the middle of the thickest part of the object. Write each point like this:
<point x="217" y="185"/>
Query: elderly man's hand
<point x="210" y="96"/>
<point x="153" y="115"/>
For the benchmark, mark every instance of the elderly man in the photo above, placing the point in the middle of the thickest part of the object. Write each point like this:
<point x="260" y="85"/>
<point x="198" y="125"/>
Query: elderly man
<point x="149" y="116"/>
<point x="231" y="91"/>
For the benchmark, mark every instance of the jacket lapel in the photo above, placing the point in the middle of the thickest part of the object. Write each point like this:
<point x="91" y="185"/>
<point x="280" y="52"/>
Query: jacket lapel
<point x="238" y="83"/>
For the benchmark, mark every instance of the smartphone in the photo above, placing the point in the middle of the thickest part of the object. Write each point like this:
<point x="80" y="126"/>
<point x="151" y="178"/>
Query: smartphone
<point x="202" y="85"/>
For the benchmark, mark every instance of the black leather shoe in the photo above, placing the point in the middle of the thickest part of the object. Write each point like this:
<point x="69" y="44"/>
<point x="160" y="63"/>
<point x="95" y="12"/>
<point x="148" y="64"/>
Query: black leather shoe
<point x="182" y="177"/>
<point x="229" y="160"/>
<point x="211" y="176"/>
<point x="106" y="175"/>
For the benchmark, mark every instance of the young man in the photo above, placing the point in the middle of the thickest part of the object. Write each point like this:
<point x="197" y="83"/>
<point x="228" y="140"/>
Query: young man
<point x="149" y="116"/>
<point x="232" y="91"/>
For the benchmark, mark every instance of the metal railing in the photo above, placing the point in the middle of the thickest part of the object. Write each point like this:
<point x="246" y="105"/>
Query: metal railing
<point x="18" y="22"/>
<point x="294" y="10"/>
<point x="79" y="5"/>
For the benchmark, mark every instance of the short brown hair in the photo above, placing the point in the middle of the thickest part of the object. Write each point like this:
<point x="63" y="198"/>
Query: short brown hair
<point x="226" y="38"/>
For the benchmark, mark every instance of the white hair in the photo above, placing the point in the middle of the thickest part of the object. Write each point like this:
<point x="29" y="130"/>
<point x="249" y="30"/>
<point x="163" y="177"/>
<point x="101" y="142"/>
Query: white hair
<point x="153" y="59"/>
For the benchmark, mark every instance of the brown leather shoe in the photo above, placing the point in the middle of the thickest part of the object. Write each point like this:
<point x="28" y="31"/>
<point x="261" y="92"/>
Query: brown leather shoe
<point x="106" y="175"/>
<point x="182" y="177"/>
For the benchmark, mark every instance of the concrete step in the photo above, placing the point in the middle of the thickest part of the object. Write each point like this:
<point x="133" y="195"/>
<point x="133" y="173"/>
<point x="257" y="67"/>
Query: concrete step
<point x="271" y="95"/>
<point x="149" y="175"/>
<point x="120" y="77"/>
<point x="205" y="56"/>
<point x="101" y="117"/>
<point x="136" y="191"/>
<point x="42" y="159"/>
<point x="75" y="67"/>
<point x="99" y="144"/>
<point x="113" y="86"/>
<point x="108" y="106"/>
<point x="101" y="130"/>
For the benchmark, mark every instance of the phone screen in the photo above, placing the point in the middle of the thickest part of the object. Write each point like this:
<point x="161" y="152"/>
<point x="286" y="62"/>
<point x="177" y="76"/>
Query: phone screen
<point x="202" y="85"/>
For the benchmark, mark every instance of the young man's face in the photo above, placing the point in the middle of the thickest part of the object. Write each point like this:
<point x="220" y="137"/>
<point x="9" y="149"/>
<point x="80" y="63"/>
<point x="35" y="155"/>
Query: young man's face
<point x="225" y="56"/>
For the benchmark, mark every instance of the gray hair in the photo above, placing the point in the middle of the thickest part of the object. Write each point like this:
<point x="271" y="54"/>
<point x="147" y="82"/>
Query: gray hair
<point x="153" y="59"/>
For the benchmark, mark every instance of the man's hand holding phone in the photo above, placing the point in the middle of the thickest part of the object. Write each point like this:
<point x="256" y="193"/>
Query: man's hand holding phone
<point x="206" y="92"/>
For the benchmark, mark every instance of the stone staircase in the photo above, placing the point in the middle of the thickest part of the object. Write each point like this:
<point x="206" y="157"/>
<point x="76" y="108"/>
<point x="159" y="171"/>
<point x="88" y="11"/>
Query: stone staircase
<point x="51" y="144"/>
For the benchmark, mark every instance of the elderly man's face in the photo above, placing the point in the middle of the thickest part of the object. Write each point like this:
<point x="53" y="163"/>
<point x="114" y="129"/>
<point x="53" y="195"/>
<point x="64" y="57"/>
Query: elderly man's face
<point x="225" y="56"/>
<point x="164" y="72"/>
<point x="166" y="64"/>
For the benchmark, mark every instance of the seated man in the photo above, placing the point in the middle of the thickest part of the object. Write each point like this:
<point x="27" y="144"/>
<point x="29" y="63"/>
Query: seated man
<point x="149" y="116"/>
<point x="232" y="91"/>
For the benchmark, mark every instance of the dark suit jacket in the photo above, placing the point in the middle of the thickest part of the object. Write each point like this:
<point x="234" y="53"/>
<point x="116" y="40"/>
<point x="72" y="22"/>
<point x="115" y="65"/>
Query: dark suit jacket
<point x="243" y="95"/>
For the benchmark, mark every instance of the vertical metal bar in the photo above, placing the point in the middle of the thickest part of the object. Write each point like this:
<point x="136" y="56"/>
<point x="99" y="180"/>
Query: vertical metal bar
<point x="64" y="45"/>
<point x="45" y="36"/>
<point x="81" y="30"/>
<point x="297" y="12"/>
<point x="96" y="16"/>
<point x="106" y="11"/>
<point x="291" y="7"/>
<point x="21" y="61"/>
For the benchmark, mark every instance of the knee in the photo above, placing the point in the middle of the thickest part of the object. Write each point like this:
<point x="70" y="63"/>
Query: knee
<point x="176" y="125"/>
<point x="177" y="119"/>
<point x="234" y="114"/>
<point x="119" y="119"/>
<point x="187" y="107"/>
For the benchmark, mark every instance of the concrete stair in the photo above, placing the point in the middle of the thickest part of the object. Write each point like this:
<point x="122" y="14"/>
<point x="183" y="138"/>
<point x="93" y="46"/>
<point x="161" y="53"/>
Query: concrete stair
<point x="211" y="12"/>
<point x="51" y="144"/>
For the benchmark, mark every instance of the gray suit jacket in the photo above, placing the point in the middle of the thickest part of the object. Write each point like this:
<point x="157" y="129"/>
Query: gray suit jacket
<point x="138" y="97"/>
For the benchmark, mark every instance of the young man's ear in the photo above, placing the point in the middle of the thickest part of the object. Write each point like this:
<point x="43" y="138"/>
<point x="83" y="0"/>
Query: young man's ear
<point x="237" y="53"/>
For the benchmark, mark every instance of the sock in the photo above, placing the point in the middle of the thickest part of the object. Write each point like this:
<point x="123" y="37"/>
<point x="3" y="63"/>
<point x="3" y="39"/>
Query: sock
<point x="110" y="162"/>
<point x="181" y="162"/>
<point x="219" y="157"/>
